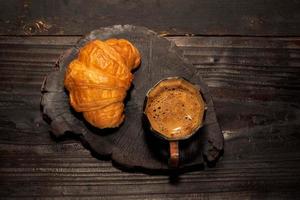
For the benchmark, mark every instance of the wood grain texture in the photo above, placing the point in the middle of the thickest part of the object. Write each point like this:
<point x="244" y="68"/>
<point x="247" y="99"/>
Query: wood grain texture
<point x="255" y="90"/>
<point x="215" y="17"/>
<point x="132" y="145"/>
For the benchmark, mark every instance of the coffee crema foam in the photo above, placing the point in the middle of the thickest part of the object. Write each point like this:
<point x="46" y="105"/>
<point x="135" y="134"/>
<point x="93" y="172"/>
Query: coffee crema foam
<point x="175" y="108"/>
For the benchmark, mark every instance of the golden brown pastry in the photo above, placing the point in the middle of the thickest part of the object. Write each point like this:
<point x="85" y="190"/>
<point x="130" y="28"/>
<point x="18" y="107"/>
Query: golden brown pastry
<point x="98" y="79"/>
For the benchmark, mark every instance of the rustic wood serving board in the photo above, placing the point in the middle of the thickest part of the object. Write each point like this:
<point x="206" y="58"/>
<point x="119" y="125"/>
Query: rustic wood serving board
<point x="131" y="146"/>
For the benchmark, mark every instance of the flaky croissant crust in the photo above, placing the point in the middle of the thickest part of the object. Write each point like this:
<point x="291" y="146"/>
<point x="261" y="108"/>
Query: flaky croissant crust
<point x="98" y="79"/>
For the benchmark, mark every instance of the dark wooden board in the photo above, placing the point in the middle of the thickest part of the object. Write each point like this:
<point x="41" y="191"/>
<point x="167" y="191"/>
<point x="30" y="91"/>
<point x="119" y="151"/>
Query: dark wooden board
<point x="132" y="145"/>
<point x="255" y="87"/>
<point x="215" y="17"/>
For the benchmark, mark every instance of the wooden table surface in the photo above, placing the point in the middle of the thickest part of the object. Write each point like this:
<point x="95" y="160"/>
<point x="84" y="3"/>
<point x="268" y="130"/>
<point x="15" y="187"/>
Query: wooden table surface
<point x="247" y="52"/>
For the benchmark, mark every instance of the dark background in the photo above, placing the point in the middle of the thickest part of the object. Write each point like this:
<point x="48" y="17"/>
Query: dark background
<point x="216" y="17"/>
<point x="248" y="53"/>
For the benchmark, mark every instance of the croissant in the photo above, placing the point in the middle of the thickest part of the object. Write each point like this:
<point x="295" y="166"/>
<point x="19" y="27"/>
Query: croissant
<point x="98" y="79"/>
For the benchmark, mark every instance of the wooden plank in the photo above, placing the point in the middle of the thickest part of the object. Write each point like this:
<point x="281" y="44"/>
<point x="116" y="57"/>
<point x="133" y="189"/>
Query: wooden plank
<point x="128" y="146"/>
<point x="260" y="124"/>
<point x="77" y="17"/>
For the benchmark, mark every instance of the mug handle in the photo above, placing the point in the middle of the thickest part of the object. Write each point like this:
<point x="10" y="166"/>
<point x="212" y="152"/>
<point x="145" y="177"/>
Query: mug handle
<point x="174" y="154"/>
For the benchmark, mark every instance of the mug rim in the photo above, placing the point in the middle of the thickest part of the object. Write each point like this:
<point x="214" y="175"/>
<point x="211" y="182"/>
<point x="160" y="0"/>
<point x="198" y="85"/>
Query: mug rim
<point x="162" y="135"/>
